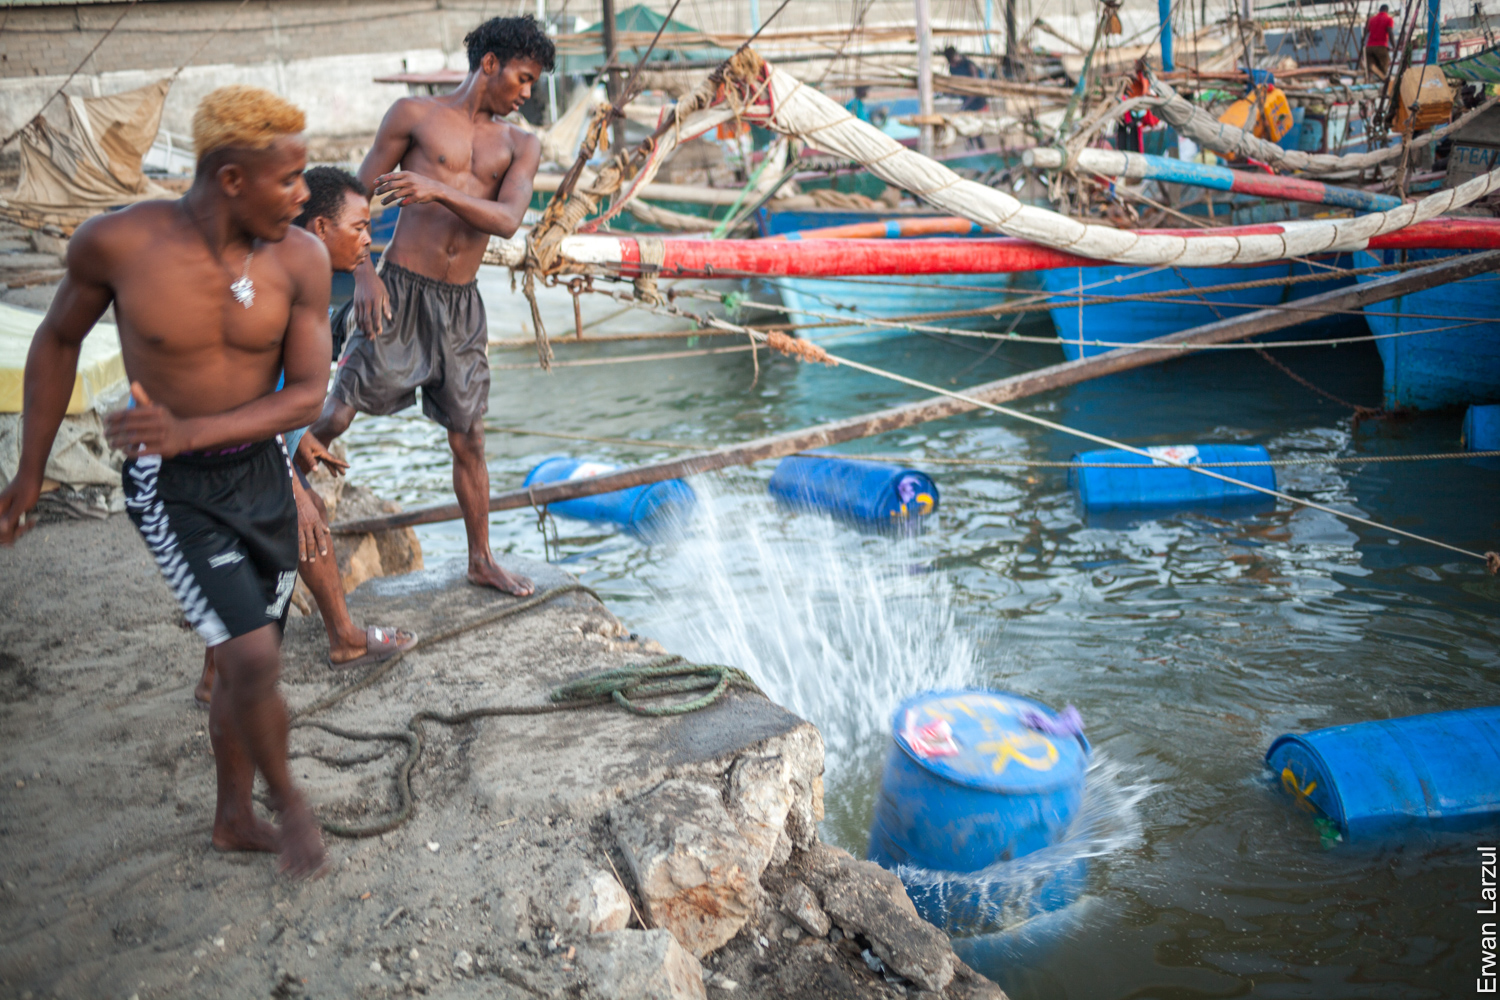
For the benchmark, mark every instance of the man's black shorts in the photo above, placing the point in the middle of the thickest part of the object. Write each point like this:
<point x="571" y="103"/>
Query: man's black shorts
<point x="437" y="339"/>
<point x="223" y="528"/>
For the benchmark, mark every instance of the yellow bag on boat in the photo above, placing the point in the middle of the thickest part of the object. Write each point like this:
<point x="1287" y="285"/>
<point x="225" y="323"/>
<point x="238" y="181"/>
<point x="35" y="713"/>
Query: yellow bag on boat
<point x="1274" y="120"/>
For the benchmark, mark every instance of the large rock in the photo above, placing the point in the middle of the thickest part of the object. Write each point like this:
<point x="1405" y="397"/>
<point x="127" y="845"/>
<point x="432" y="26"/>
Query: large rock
<point x="365" y="557"/>
<point x="697" y="876"/>
<point x="640" y="965"/>
<point x="777" y="798"/>
<point x="864" y="898"/>
<point x="594" y="903"/>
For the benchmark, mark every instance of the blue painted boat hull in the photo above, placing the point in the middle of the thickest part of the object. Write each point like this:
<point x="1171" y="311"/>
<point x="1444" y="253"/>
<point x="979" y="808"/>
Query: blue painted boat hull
<point x="1451" y="367"/>
<point x="1132" y="322"/>
<point x="889" y="298"/>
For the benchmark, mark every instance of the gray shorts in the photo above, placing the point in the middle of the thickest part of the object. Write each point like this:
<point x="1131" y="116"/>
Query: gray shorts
<point x="435" y="340"/>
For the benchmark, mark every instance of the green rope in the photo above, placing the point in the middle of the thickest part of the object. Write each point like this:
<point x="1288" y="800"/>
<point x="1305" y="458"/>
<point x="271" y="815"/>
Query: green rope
<point x="659" y="678"/>
<point x="624" y="686"/>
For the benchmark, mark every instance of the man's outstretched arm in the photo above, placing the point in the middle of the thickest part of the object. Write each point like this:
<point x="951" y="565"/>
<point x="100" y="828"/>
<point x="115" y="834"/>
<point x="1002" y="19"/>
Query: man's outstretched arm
<point x="51" y="367"/>
<point x="500" y="217"/>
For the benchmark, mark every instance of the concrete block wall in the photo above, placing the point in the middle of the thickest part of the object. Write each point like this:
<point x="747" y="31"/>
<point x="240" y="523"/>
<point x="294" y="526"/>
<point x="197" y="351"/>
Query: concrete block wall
<point x="321" y="54"/>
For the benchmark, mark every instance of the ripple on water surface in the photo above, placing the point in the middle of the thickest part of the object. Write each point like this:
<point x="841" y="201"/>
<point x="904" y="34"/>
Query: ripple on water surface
<point x="1189" y="639"/>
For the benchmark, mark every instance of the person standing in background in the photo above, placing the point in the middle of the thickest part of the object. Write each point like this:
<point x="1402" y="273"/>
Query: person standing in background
<point x="1378" y="42"/>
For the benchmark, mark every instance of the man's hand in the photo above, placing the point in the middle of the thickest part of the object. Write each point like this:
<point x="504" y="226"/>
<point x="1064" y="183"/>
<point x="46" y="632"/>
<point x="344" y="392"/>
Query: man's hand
<point x="147" y="429"/>
<point x="16" y="500"/>
<point x="372" y="304"/>
<point x="310" y="452"/>
<point x="405" y="187"/>
<point x="313" y="537"/>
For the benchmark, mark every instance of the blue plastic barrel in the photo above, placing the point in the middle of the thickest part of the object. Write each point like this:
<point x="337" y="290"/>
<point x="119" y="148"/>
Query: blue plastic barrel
<point x="875" y="494"/>
<point x="1373" y="779"/>
<point x="1150" y="482"/>
<point x="969" y="784"/>
<point x="967" y="787"/>
<point x="641" y="509"/>
<point x="1482" y="428"/>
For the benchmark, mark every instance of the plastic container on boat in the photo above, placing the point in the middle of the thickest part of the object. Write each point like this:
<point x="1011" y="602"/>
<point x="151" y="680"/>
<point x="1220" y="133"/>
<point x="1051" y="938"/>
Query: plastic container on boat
<point x="1482" y="428"/>
<point x="969" y="783"/>
<point x="871" y="493"/>
<point x="640" y="509"/>
<point x="1374" y="779"/>
<point x="1151" y="482"/>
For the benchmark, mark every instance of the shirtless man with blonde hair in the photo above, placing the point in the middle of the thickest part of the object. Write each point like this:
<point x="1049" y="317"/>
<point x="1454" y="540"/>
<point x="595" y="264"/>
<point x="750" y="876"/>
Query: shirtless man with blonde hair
<point x="215" y="296"/>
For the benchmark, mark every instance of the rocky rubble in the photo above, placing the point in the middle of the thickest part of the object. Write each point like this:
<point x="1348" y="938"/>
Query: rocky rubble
<point x="591" y="854"/>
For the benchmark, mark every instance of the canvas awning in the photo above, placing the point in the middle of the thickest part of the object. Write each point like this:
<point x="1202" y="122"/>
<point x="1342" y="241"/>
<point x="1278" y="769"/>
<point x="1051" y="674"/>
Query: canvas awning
<point x="94" y="164"/>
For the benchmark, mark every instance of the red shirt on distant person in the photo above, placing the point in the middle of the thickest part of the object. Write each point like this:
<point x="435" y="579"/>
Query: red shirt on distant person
<point x="1380" y="29"/>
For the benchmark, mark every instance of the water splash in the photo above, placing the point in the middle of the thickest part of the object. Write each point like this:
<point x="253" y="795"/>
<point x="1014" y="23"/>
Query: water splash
<point x="836" y="626"/>
<point x="1010" y="893"/>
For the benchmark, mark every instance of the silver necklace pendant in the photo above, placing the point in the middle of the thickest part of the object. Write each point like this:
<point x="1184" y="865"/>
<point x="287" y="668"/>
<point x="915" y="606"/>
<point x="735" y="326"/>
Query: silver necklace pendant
<point x="244" y="292"/>
<point x="244" y="289"/>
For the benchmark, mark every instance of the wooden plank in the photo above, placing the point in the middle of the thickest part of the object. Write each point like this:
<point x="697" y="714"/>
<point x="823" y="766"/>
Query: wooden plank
<point x="937" y="408"/>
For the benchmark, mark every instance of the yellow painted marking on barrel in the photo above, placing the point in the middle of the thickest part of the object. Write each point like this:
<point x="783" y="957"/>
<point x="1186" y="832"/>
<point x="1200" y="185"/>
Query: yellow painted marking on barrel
<point x="1013" y="747"/>
<point x="1295" y="789"/>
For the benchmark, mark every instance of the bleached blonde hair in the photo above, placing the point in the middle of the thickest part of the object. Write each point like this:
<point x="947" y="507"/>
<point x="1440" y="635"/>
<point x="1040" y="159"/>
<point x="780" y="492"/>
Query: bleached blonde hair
<point x="241" y="117"/>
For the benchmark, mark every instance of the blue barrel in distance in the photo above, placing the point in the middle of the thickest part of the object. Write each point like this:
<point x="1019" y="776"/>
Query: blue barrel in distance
<point x="968" y="784"/>
<point x="1150" y="482"/>
<point x="874" y="494"/>
<point x="641" y="510"/>
<point x="1482" y="428"/>
<point x="1376" y="779"/>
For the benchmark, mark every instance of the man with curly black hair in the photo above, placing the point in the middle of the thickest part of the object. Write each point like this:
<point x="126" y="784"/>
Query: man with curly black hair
<point x="463" y="177"/>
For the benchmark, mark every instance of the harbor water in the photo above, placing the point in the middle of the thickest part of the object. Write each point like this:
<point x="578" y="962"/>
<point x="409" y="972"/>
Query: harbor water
<point x="1188" y="639"/>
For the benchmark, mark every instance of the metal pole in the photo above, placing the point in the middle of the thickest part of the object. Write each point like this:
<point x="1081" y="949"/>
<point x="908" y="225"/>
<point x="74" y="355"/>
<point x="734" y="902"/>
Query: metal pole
<point x="1164" y="10"/>
<point x="1434" y="30"/>
<point x="924" y="75"/>
<point x="541" y="15"/>
<point x="1247" y="25"/>
<point x="1012" y="44"/>
<point x="612" y="86"/>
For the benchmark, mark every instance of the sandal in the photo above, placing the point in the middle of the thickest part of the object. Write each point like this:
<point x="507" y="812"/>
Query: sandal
<point x="380" y="645"/>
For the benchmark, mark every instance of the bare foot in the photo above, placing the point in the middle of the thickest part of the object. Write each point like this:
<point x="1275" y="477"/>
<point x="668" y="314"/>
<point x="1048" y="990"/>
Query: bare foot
<point x="302" y="853"/>
<point x="253" y="835"/>
<point x="489" y="574"/>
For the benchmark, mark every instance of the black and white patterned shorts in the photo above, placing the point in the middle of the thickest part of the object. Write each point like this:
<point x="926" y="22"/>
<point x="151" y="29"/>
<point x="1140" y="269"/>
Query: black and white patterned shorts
<point x="223" y="528"/>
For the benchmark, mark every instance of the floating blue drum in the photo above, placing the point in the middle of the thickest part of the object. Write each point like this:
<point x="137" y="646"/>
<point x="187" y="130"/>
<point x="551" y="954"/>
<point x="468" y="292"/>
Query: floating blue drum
<point x="1482" y="428"/>
<point x="976" y="778"/>
<point x="1151" y="482"/>
<point x="641" y="510"/>
<point x="1374" y="779"/>
<point x="874" y="494"/>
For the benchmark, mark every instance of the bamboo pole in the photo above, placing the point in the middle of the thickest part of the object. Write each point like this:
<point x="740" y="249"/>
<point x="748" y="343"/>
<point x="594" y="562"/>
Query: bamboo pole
<point x="938" y="408"/>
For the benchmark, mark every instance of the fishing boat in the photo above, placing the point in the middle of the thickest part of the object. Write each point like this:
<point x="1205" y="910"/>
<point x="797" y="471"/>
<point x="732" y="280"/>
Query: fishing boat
<point x="1458" y="362"/>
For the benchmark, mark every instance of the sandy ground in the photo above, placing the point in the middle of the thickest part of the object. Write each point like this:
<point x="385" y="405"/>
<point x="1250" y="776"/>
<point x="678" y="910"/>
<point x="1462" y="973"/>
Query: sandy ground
<point x="111" y="889"/>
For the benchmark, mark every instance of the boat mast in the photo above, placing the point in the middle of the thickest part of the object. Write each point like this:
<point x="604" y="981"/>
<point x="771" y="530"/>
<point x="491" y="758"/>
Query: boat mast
<point x="612" y="85"/>
<point x="924" y="75"/>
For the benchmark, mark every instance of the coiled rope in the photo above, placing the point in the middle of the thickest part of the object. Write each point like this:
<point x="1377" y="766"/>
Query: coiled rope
<point x="624" y="686"/>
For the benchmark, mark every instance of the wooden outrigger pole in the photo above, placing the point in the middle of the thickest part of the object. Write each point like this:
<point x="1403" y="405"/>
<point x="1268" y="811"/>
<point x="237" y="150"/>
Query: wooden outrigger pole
<point x="1004" y="390"/>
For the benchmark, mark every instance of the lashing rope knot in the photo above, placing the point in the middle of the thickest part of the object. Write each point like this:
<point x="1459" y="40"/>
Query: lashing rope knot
<point x="794" y="347"/>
